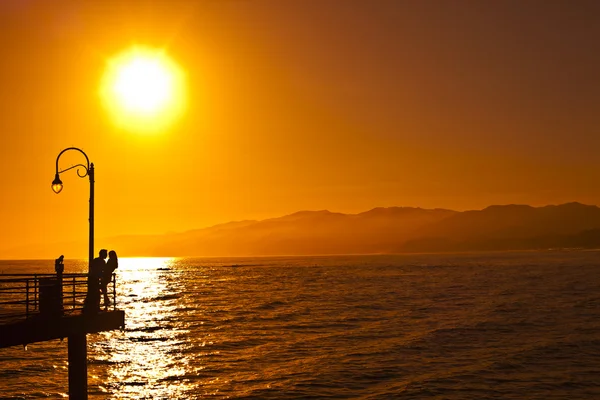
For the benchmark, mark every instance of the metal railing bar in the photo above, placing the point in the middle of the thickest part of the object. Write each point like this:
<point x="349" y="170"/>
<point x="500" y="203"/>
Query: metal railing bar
<point x="79" y="281"/>
<point x="16" y="291"/>
<point x="114" y="284"/>
<point x="35" y="291"/>
<point x="48" y="275"/>
<point x="33" y="288"/>
<point x="17" y="287"/>
<point x="15" y="302"/>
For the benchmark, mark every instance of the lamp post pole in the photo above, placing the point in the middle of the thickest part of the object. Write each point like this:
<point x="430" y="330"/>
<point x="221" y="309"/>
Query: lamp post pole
<point x="77" y="342"/>
<point x="88" y="170"/>
<point x="91" y="217"/>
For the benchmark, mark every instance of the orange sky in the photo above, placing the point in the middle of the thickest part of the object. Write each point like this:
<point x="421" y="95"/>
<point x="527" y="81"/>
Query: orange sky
<point x="314" y="104"/>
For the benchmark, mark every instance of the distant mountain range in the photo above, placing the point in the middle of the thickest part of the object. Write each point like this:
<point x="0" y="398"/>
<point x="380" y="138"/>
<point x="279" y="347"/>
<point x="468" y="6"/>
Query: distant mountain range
<point x="380" y="230"/>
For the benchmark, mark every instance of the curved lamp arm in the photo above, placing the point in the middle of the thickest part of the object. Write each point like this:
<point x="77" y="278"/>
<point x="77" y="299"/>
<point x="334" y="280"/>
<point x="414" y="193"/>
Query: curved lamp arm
<point x="57" y="183"/>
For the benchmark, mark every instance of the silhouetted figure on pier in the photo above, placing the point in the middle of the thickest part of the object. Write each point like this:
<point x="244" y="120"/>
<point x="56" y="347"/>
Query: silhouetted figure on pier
<point x="59" y="267"/>
<point x="92" y="301"/>
<point x="107" y="275"/>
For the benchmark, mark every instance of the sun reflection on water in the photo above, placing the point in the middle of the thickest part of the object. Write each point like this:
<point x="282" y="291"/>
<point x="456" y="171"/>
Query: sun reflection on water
<point x="146" y="357"/>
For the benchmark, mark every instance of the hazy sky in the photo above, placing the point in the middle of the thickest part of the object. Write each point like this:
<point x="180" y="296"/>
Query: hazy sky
<point x="299" y="104"/>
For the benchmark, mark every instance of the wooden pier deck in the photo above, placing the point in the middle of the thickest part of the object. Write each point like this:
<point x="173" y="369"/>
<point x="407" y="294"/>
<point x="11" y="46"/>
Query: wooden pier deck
<point x="41" y="307"/>
<point x="39" y="328"/>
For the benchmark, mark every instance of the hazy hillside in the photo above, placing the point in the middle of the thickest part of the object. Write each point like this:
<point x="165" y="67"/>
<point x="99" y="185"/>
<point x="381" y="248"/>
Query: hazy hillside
<point x="380" y="230"/>
<point x="306" y="232"/>
<point x="510" y="227"/>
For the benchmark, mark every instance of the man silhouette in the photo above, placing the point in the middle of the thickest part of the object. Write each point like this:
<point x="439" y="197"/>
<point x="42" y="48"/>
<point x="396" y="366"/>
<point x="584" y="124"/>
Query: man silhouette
<point x="92" y="301"/>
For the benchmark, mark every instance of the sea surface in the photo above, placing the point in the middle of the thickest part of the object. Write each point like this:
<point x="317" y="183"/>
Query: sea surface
<point x="461" y="326"/>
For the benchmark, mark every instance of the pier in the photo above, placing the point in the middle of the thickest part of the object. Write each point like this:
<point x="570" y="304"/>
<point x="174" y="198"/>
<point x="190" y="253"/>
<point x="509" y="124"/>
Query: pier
<point x="41" y="307"/>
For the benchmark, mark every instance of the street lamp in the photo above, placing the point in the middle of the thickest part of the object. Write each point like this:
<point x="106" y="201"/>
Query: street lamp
<point x="88" y="170"/>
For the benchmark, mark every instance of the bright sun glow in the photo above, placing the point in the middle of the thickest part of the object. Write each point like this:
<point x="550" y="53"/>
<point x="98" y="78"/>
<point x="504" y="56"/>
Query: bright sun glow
<point x="143" y="90"/>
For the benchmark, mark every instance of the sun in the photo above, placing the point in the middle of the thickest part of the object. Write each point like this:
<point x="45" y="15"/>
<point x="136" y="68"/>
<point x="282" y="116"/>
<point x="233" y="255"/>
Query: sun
<point x="143" y="90"/>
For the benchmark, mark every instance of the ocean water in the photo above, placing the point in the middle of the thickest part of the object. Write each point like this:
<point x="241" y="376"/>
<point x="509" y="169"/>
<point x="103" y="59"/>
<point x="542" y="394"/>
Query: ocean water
<point x="467" y="326"/>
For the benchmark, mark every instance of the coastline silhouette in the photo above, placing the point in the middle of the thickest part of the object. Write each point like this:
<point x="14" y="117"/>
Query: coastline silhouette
<point x="384" y="230"/>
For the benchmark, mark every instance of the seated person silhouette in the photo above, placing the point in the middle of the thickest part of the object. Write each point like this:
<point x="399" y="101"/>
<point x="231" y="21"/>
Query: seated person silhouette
<point x="59" y="267"/>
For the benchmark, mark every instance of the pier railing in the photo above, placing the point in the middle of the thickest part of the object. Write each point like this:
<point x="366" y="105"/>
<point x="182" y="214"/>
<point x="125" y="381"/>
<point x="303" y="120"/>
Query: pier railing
<point x="24" y="296"/>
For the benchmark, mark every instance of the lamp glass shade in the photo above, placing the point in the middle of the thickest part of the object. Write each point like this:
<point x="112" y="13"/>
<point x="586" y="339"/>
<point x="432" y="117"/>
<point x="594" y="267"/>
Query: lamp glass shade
<point x="57" y="187"/>
<point x="57" y="184"/>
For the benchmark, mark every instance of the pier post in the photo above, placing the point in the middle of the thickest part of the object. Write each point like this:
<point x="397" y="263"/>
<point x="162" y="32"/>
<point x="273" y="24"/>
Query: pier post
<point x="77" y="344"/>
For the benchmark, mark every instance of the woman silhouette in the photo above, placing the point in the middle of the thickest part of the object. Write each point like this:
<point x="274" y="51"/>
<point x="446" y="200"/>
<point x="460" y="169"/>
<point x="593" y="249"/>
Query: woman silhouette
<point x="107" y="274"/>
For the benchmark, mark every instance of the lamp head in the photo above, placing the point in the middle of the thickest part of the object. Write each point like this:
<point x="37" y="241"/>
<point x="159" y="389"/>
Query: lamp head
<point x="57" y="184"/>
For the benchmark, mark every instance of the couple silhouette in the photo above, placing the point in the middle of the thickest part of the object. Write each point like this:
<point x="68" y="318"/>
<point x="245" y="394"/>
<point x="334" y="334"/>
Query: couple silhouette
<point x="100" y="275"/>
